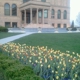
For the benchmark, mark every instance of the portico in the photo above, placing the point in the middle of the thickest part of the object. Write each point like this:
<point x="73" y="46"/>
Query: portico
<point x="35" y="16"/>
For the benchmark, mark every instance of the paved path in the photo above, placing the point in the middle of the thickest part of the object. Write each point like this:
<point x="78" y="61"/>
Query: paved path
<point x="12" y="38"/>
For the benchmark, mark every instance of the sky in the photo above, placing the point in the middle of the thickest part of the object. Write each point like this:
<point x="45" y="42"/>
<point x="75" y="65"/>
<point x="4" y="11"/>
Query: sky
<point x="75" y="8"/>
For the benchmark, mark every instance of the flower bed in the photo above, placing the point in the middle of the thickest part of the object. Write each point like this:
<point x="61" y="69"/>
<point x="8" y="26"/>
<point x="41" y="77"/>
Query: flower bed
<point x="47" y="63"/>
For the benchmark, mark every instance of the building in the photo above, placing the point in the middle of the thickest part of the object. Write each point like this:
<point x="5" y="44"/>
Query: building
<point x="35" y="13"/>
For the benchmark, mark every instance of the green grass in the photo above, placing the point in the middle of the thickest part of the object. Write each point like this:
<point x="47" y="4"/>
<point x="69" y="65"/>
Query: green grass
<point x="5" y="34"/>
<point x="63" y="42"/>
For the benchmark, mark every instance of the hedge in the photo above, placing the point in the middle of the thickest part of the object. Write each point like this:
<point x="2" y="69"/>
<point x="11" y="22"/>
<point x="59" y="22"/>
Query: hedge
<point x="14" y="70"/>
<point x="3" y="29"/>
<point x="72" y="28"/>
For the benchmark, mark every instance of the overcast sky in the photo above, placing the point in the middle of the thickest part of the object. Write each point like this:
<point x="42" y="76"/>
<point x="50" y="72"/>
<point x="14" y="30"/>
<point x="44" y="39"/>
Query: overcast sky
<point x="75" y="8"/>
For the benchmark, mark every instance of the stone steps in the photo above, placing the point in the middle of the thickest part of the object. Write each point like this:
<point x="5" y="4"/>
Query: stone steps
<point x="38" y="26"/>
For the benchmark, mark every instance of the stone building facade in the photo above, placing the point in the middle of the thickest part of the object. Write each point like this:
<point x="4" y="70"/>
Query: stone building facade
<point x="35" y="13"/>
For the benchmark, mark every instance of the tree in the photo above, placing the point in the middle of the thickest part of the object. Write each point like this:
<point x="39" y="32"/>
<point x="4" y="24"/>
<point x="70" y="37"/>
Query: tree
<point x="72" y="25"/>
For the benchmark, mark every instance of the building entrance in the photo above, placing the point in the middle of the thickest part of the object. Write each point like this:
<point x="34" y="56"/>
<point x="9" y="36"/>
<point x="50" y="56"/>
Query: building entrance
<point x="28" y="17"/>
<point x="14" y="24"/>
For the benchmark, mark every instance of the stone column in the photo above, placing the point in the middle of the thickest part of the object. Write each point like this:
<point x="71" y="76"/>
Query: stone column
<point x="43" y="16"/>
<point x="11" y="15"/>
<point x="31" y="15"/>
<point x="10" y="10"/>
<point x="11" y="24"/>
<point x="21" y="18"/>
<point x="37" y="16"/>
<point x="25" y="17"/>
<point x="49" y="16"/>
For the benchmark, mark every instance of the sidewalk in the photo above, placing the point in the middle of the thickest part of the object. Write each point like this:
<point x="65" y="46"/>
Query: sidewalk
<point x="12" y="38"/>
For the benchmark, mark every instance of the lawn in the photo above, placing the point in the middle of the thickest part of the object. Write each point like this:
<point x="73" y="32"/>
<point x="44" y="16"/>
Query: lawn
<point x="63" y="42"/>
<point x="4" y="34"/>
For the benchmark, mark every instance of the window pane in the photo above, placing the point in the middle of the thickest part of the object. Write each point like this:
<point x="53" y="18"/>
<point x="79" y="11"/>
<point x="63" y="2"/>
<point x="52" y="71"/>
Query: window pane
<point x="22" y="15"/>
<point x="65" y="25"/>
<point x="7" y="9"/>
<point x="25" y="1"/>
<point x="14" y="24"/>
<point x="43" y="0"/>
<point x="45" y="13"/>
<point x="7" y="24"/>
<point x="59" y="25"/>
<point x="40" y="14"/>
<point x="53" y="24"/>
<point x="65" y="14"/>
<point x="59" y="14"/>
<point x="52" y="13"/>
<point x="14" y="10"/>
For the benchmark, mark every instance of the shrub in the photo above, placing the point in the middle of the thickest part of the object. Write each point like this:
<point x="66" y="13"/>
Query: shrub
<point x="3" y="29"/>
<point x="5" y="63"/>
<point x="71" y="28"/>
<point x="18" y="71"/>
<point x="74" y="29"/>
<point x="28" y="77"/>
<point x="14" y="70"/>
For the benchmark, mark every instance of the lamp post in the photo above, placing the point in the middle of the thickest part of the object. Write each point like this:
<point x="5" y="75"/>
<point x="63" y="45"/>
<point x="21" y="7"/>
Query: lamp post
<point x="39" y="30"/>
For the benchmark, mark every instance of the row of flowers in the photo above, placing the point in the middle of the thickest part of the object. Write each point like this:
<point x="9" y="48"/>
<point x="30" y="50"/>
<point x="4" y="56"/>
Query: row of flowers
<point x="47" y="63"/>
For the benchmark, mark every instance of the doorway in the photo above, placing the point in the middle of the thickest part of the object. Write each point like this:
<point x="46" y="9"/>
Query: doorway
<point x="14" y="24"/>
<point x="28" y="18"/>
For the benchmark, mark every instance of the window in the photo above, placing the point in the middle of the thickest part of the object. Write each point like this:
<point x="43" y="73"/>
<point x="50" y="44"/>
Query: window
<point x="53" y="24"/>
<point x="14" y="10"/>
<point x="34" y="13"/>
<point x="65" y="14"/>
<point x="43" y="0"/>
<point x="7" y="9"/>
<point x="14" y="24"/>
<point x="45" y="13"/>
<point x="59" y="25"/>
<point x="59" y="14"/>
<point x="52" y="13"/>
<point x="65" y="25"/>
<point x="7" y="24"/>
<point x="22" y="15"/>
<point x="25" y="1"/>
<point x="40" y="13"/>
<point x="45" y="23"/>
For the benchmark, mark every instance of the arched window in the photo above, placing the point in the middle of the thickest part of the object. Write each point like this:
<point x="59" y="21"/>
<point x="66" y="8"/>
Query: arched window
<point x="25" y="1"/>
<point x="45" y="13"/>
<point x="59" y="14"/>
<point x="43" y="0"/>
<point x="7" y="9"/>
<point x="52" y="13"/>
<point x="14" y="10"/>
<point x="65" y="14"/>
